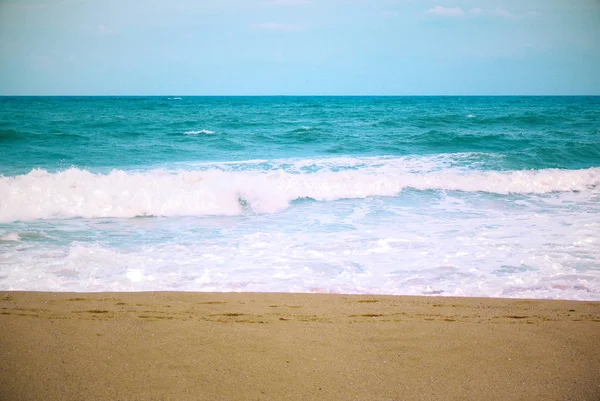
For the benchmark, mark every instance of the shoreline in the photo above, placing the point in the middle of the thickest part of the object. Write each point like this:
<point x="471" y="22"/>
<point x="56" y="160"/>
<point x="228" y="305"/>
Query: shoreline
<point x="228" y="346"/>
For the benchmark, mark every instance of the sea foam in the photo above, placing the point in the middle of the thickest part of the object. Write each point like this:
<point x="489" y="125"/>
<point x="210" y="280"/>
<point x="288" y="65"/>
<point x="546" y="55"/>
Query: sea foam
<point x="10" y="237"/>
<point x="81" y="193"/>
<point x="202" y="131"/>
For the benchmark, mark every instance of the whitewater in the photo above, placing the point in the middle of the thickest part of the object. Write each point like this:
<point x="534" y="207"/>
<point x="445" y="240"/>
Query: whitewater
<point x="79" y="193"/>
<point x="493" y="197"/>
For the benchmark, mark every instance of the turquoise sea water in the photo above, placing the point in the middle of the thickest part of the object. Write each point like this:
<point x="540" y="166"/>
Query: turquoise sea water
<point x="482" y="196"/>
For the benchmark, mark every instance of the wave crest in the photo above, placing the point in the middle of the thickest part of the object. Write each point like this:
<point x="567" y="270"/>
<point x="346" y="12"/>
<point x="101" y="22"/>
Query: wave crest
<point x="80" y="193"/>
<point x="202" y="131"/>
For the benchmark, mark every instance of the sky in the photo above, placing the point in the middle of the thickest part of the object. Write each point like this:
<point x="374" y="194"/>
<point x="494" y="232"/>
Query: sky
<point x="299" y="47"/>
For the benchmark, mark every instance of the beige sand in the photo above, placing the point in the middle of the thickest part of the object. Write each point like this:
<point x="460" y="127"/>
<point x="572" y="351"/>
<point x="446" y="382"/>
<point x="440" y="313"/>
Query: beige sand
<point x="206" y="346"/>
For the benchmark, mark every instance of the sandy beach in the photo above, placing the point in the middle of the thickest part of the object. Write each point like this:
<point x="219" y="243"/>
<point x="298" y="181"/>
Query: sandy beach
<point x="268" y="346"/>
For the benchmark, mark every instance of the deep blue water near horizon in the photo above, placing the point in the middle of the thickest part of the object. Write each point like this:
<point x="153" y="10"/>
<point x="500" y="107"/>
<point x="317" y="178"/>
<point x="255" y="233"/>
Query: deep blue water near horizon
<point x="474" y="196"/>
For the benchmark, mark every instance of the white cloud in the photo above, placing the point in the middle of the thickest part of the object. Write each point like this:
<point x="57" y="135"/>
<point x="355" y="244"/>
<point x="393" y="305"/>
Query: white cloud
<point x="446" y="12"/>
<point x="273" y="26"/>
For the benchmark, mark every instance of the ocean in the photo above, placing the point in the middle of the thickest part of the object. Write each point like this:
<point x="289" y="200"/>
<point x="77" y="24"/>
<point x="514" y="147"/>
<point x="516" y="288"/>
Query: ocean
<point x="451" y="196"/>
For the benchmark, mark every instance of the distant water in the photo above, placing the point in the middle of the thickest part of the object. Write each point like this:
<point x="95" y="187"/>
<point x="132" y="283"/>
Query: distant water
<point x="473" y="196"/>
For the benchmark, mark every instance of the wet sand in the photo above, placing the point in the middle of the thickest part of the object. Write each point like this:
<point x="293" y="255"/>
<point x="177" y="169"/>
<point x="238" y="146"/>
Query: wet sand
<point x="246" y="346"/>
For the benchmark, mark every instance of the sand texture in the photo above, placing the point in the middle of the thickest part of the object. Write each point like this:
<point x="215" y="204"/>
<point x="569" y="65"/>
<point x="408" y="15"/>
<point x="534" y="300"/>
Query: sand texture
<point x="246" y="346"/>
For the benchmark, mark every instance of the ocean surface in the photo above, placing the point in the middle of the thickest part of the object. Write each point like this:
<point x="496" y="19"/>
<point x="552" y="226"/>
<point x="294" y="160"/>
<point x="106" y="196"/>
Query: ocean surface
<point x="457" y="196"/>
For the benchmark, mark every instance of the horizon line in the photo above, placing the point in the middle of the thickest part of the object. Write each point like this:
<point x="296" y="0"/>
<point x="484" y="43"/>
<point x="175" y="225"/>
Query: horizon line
<point x="364" y="95"/>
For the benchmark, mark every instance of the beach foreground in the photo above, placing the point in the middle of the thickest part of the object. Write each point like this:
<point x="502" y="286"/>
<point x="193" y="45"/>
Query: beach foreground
<point x="250" y="346"/>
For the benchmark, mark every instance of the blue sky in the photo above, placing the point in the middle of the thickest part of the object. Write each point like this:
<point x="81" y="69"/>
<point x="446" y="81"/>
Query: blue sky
<point x="299" y="47"/>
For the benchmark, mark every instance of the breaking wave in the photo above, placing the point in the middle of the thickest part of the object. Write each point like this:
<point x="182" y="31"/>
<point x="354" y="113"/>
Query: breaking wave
<point x="81" y="193"/>
<point x="202" y="131"/>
